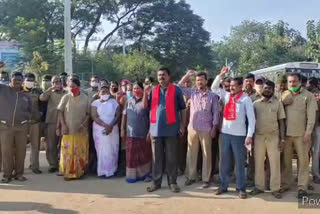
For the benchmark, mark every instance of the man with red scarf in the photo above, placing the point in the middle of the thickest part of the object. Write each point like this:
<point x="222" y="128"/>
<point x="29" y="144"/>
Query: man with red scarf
<point x="236" y="136"/>
<point x="167" y="121"/>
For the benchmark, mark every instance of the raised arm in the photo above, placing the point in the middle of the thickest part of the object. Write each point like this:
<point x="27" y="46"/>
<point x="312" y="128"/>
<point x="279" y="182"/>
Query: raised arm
<point x="45" y="96"/>
<point x="186" y="91"/>
<point x="146" y="93"/>
<point x="216" y="83"/>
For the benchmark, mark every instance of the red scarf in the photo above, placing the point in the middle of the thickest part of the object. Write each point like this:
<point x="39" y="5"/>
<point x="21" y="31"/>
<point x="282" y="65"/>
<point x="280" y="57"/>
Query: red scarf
<point x="170" y="104"/>
<point x="230" y="110"/>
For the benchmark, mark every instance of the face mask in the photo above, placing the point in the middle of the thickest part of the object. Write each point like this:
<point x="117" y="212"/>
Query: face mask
<point x="29" y="84"/>
<point x="294" y="89"/>
<point x="138" y="94"/>
<point x="94" y="84"/>
<point x="105" y="97"/>
<point x="75" y="91"/>
<point x="129" y="94"/>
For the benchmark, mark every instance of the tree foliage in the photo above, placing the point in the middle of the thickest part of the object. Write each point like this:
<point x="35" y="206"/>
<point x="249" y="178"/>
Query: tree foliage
<point x="253" y="45"/>
<point x="136" y="65"/>
<point x="173" y="34"/>
<point x="313" y="44"/>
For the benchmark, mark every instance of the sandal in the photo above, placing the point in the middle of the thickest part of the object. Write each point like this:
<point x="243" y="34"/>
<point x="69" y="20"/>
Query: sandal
<point x="22" y="178"/>
<point x="147" y="179"/>
<point x="153" y="188"/>
<point x="174" y="188"/>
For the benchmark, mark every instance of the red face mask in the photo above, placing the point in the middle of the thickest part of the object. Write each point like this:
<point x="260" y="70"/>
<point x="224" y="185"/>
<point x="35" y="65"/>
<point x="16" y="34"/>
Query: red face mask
<point x="75" y="90"/>
<point x="138" y="93"/>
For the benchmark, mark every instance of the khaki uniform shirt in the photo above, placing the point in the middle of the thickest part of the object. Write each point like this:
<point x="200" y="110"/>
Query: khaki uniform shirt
<point x="53" y="99"/>
<point x="268" y="113"/>
<point x="36" y="115"/>
<point x="75" y="110"/>
<point x="90" y="92"/>
<point x="301" y="114"/>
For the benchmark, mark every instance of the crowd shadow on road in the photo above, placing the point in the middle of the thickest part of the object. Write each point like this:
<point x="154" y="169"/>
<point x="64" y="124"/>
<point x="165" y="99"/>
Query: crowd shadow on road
<point x="117" y="188"/>
<point x="31" y="206"/>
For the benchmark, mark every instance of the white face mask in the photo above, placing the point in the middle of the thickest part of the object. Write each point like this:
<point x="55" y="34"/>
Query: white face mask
<point x="29" y="84"/>
<point x="94" y="84"/>
<point x="105" y="97"/>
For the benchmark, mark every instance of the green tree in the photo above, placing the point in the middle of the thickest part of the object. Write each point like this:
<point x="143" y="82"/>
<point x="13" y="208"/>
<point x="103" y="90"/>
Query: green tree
<point x="172" y="34"/>
<point x="136" y="65"/>
<point x="253" y="45"/>
<point x="313" y="44"/>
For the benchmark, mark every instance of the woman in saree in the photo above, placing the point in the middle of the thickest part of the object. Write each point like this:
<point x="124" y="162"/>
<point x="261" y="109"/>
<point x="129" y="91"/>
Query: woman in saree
<point x="105" y="113"/>
<point x="135" y="126"/>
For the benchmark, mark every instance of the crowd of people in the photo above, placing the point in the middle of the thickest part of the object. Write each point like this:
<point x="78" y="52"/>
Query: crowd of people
<point x="246" y="128"/>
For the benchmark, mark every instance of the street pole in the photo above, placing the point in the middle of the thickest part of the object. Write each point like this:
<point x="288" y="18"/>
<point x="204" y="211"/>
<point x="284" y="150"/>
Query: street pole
<point x="67" y="38"/>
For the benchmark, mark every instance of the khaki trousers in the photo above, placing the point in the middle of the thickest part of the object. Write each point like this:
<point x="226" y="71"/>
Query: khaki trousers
<point x="34" y="133"/>
<point x="267" y="145"/>
<point x="196" y="138"/>
<point x="52" y="146"/>
<point x="302" y="150"/>
<point x="13" y="148"/>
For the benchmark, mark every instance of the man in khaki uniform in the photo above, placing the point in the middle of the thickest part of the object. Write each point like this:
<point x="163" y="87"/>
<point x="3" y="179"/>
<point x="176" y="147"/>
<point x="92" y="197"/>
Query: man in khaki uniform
<point x="94" y="87"/>
<point x="312" y="86"/>
<point x="53" y="96"/>
<point x="16" y="110"/>
<point x="300" y="106"/>
<point x="282" y="86"/>
<point x="34" y="128"/>
<point x="270" y="127"/>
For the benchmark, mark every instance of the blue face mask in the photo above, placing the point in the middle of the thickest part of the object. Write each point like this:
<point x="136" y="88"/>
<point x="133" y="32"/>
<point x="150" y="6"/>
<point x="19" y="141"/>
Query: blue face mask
<point x="129" y="94"/>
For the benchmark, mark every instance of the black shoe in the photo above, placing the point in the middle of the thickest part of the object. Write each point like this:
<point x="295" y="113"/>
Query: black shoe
<point x="242" y="195"/>
<point x="220" y="191"/>
<point x="310" y="187"/>
<point x="277" y="194"/>
<point x="189" y="182"/>
<point x="52" y="170"/>
<point x="316" y="180"/>
<point x="5" y="180"/>
<point x="153" y="188"/>
<point x="256" y="191"/>
<point x="36" y="171"/>
<point x="301" y="193"/>
<point x="205" y="185"/>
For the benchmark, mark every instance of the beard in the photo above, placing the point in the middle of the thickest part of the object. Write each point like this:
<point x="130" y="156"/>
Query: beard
<point x="267" y="95"/>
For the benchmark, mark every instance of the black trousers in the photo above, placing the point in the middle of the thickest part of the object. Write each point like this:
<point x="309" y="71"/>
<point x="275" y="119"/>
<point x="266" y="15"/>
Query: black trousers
<point x="164" y="153"/>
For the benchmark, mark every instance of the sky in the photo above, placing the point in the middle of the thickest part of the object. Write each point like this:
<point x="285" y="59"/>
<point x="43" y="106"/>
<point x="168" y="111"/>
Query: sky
<point x="220" y="15"/>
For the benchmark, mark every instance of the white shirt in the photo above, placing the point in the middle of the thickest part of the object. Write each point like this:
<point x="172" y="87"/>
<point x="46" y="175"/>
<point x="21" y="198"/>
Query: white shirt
<point x="215" y="87"/>
<point x="244" y="109"/>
